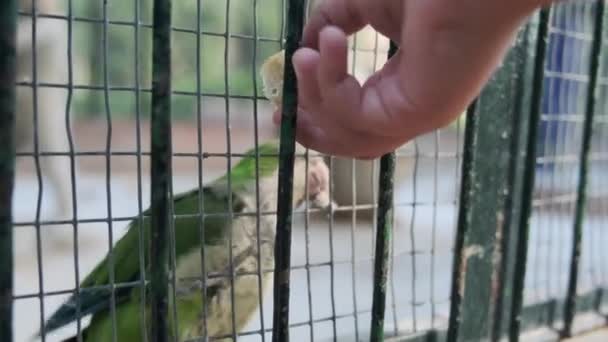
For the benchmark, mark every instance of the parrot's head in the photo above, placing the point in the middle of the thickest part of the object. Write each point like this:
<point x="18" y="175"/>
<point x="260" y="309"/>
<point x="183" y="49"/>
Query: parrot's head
<point x="272" y="77"/>
<point x="310" y="181"/>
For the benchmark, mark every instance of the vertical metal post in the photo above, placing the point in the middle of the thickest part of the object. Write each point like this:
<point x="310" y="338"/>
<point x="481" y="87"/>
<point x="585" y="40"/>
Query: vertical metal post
<point x="8" y="70"/>
<point x="596" y="49"/>
<point x="384" y="228"/>
<point x="199" y="152"/>
<point x="522" y="64"/>
<point x="493" y="134"/>
<point x="280" y="318"/>
<point x="256" y="135"/>
<point x="161" y="169"/>
<point x="465" y="199"/>
<point x="529" y="173"/>
<point x="111" y="264"/>
<point x="141" y="244"/>
<point x="72" y="149"/>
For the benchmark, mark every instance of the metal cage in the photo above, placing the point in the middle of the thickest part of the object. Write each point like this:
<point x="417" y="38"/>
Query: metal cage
<point x="490" y="228"/>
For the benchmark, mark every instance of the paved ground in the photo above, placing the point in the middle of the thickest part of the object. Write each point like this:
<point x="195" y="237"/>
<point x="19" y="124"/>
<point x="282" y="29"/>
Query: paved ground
<point x="599" y="335"/>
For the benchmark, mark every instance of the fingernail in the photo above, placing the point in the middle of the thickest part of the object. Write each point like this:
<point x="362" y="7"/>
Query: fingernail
<point x="296" y="64"/>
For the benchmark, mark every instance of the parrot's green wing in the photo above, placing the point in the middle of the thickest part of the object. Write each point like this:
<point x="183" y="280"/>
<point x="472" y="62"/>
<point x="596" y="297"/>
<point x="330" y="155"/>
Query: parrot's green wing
<point x="95" y="294"/>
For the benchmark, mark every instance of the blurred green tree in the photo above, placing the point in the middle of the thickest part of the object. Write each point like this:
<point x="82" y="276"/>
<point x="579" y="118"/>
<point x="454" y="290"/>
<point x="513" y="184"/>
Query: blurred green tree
<point x="224" y="25"/>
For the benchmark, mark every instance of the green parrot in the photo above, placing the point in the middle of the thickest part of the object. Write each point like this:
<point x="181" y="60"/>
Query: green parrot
<point x="188" y="299"/>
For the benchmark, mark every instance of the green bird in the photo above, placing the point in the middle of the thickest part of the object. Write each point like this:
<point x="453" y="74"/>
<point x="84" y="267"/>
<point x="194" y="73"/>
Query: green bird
<point x="93" y="299"/>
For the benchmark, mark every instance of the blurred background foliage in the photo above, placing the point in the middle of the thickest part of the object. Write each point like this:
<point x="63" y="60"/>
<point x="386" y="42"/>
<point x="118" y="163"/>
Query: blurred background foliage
<point x="229" y="36"/>
<point x="119" y="61"/>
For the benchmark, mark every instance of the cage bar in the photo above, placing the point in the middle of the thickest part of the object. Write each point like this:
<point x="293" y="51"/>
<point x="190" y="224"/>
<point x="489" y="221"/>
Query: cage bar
<point x="199" y="160"/>
<point x="141" y="240"/>
<point x="465" y="199"/>
<point x="521" y="60"/>
<point x="295" y="22"/>
<point x="384" y="227"/>
<point x="529" y="174"/>
<point x="72" y="149"/>
<point x="256" y="134"/>
<point x="8" y="72"/>
<point x="226" y="57"/>
<point x="36" y="155"/>
<point x="160" y="170"/>
<point x="108" y="167"/>
<point x="581" y="196"/>
<point x="382" y="251"/>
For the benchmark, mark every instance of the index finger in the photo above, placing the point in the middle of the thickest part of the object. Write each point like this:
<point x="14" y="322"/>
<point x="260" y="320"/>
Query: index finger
<point x="345" y="14"/>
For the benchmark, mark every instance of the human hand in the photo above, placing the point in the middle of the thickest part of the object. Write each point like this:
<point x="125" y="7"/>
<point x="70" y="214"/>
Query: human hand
<point x="448" y="50"/>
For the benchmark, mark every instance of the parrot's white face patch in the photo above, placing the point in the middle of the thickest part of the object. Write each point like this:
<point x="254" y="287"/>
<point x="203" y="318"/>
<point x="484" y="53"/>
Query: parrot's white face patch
<point x="273" y="90"/>
<point x="273" y="93"/>
<point x="272" y="77"/>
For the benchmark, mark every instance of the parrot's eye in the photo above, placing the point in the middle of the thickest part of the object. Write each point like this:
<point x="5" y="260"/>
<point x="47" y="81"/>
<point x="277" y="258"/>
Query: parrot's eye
<point x="274" y="91"/>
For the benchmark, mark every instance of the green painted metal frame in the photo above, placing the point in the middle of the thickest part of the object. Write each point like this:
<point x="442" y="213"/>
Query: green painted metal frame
<point x="384" y="229"/>
<point x="160" y="171"/>
<point x="529" y="170"/>
<point x="8" y="71"/>
<point x="296" y="10"/>
<point x="494" y="307"/>
<point x="579" y="213"/>
<point x="488" y="258"/>
<point x="492" y="131"/>
<point x="522" y="60"/>
<point x="465" y="200"/>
